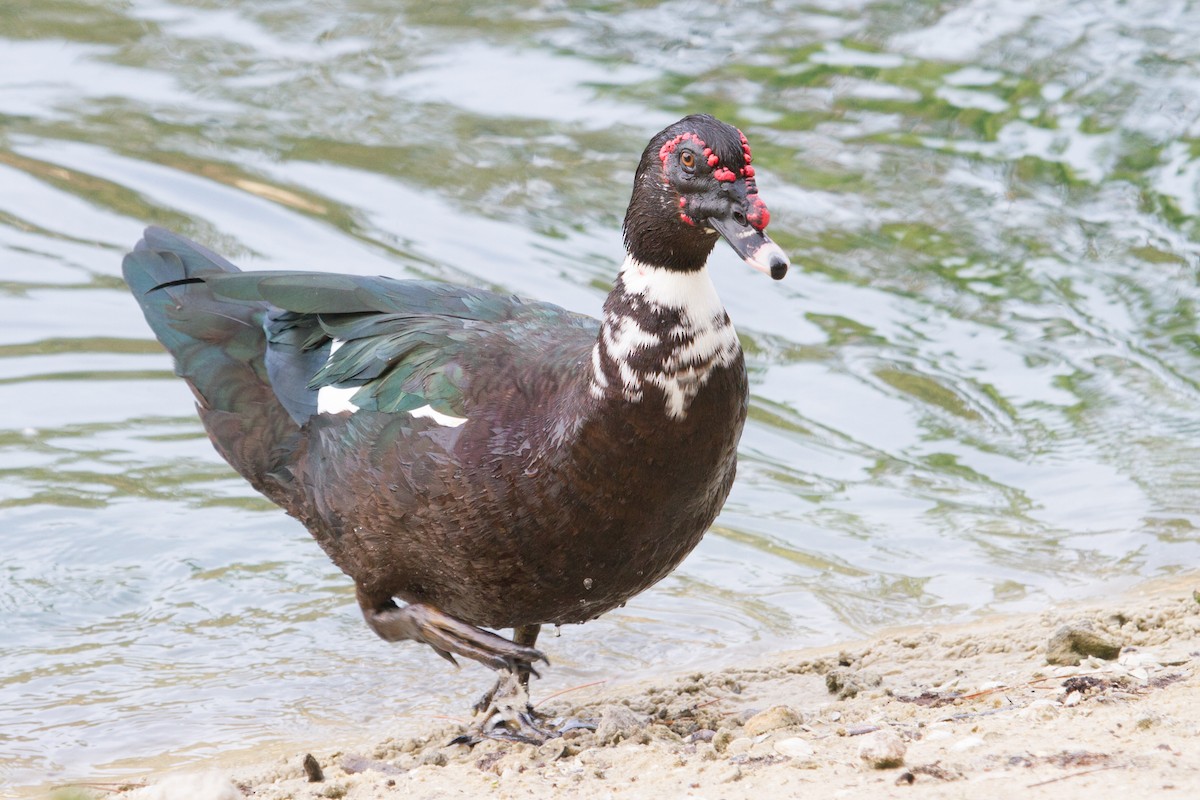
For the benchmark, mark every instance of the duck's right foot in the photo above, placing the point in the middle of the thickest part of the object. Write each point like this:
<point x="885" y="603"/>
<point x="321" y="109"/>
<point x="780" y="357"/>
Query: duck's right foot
<point x="506" y="713"/>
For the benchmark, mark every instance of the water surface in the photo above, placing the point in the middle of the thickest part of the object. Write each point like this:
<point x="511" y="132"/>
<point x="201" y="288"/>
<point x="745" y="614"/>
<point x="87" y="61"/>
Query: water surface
<point x="977" y="392"/>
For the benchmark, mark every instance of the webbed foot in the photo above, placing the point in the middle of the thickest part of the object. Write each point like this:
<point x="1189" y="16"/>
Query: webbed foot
<point x="506" y="713"/>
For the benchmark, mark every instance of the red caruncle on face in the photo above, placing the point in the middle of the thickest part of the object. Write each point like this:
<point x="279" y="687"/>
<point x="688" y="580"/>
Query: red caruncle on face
<point x="759" y="217"/>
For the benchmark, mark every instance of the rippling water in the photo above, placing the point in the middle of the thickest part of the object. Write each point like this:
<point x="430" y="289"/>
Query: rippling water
<point x="979" y="391"/>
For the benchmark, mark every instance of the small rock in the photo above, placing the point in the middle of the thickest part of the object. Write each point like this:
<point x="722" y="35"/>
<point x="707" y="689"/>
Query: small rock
<point x="847" y="683"/>
<point x="935" y="770"/>
<point x="794" y="747"/>
<point x="740" y="745"/>
<point x="860" y="730"/>
<point x="1072" y="643"/>
<point x="721" y="741"/>
<point x="762" y="747"/>
<point x="772" y="719"/>
<point x="489" y="747"/>
<point x="552" y="750"/>
<point x="739" y="719"/>
<point x="882" y="749"/>
<point x="312" y="769"/>
<point x="617" y="723"/>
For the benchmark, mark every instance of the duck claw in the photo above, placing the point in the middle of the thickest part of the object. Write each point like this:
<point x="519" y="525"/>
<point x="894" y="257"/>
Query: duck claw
<point x="450" y="637"/>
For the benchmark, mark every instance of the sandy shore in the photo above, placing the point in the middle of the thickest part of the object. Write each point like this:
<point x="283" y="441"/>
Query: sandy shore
<point x="973" y="710"/>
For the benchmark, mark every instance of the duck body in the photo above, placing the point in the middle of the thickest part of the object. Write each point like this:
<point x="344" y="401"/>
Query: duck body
<point x="553" y="503"/>
<point x="488" y="461"/>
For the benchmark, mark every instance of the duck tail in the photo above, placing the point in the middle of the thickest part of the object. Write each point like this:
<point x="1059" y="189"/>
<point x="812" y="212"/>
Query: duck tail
<point x="219" y="347"/>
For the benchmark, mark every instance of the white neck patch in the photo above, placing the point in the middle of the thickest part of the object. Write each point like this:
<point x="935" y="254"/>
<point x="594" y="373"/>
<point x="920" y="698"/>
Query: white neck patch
<point x="692" y="292"/>
<point x="666" y="329"/>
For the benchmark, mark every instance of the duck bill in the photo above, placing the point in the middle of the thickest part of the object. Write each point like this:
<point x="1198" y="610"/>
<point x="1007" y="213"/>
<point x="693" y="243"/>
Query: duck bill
<point x="754" y="246"/>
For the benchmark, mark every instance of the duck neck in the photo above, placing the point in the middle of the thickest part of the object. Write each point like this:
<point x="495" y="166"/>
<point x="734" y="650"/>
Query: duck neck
<point x="655" y="227"/>
<point x="664" y="333"/>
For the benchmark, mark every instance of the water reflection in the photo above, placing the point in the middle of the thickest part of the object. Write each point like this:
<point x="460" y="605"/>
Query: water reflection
<point x="978" y="394"/>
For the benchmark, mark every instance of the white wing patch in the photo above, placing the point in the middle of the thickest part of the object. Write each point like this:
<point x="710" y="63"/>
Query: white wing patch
<point x="336" y="400"/>
<point x="332" y="399"/>
<point x="429" y="412"/>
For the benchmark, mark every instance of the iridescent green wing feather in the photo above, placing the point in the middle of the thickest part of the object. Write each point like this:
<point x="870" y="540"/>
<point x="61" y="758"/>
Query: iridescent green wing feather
<point x="405" y="344"/>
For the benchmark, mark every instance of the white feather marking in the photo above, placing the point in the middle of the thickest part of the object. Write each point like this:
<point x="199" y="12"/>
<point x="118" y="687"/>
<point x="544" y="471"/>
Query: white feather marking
<point x="710" y="343"/>
<point x="631" y="381"/>
<point x="429" y="412"/>
<point x="692" y="292"/>
<point x="601" y="382"/>
<point x="711" y="340"/>
<point x="627" y="336"/>
<point x="680" y="388"/>
<point x="333" y="399"/>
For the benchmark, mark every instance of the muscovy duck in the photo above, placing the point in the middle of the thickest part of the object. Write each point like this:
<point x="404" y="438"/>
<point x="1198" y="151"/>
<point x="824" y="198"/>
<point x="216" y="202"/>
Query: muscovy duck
<point x="491" y="462"/>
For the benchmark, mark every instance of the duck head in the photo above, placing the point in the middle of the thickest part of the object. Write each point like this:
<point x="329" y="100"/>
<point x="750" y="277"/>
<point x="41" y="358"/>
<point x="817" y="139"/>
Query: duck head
<point x="693" y="185"/>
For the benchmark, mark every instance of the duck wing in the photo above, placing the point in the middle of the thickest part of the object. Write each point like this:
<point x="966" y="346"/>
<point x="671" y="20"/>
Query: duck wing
<point x="401" y="345"/>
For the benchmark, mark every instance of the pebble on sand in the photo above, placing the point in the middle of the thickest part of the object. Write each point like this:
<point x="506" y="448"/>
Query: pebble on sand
<point x="772" y="719"/>
<point x="882" y="749"/>
<point x="618" y="722"/>
<point x="1072" y="643"/>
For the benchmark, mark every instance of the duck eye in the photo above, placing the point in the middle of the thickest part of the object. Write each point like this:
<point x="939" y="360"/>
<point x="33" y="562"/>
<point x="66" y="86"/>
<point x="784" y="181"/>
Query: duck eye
<point x="687" y="160"/>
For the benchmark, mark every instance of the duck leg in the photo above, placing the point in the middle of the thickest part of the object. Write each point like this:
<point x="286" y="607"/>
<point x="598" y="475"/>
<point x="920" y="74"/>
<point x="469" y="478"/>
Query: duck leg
<point x="447" y="636"/>
<point x="505" y="712"/>
<point x="523" y="636"/>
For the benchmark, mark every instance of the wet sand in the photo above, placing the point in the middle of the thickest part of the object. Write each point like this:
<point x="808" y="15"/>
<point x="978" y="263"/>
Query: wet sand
<point x="970" y="710"/>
